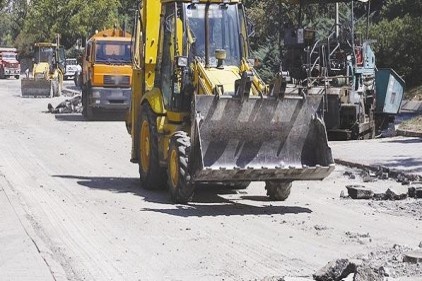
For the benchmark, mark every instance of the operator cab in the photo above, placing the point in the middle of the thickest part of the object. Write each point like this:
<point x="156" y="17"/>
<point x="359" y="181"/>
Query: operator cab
<point x="210" y="36"/>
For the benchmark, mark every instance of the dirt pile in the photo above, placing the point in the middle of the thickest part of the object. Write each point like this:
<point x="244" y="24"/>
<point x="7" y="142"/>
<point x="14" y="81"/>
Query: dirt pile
<point x="377" y="265"/>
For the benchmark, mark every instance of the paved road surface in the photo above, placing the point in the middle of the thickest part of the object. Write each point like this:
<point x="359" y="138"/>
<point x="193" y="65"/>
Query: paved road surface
<point x="75" y="196"/>
<point x="398" y="153"/>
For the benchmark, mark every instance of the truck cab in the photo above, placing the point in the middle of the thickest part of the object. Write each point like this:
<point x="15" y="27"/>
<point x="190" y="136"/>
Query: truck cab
<point x="9" y="64"/>
<point x="107" y="73"/>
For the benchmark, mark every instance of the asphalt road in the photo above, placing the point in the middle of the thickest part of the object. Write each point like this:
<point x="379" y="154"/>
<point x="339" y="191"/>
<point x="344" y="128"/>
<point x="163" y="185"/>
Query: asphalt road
<point x="79" y="213"/>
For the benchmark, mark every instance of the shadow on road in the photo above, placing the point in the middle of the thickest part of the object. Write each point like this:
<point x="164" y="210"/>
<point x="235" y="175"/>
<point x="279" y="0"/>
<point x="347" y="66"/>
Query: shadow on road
<point x="415" y="163"/>
<point x="77" y="117"/>
<point x="70" y="117"/>
<point x="206" y="202"/>
<point x="403" y="141"/>
<point x="229" y="209"/>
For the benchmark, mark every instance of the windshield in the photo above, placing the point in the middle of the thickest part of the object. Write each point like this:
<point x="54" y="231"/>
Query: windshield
<point x="8" y="56"/>
<point x="43" y="55"/>
<point x="223" y="31"/>
<point x="112" y="52"/>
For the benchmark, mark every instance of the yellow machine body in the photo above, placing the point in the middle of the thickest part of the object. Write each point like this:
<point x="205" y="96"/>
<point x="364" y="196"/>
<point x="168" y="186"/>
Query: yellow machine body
<point x="107" y="72"/>
<point x="47" y="72"/>
<point x="200" y="113"/>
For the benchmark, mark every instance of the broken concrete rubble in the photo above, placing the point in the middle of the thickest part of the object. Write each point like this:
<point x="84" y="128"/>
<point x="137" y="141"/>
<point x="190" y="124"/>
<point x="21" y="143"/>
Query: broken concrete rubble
<point x="362" y="192"/>
<point x="377" y="265"/>
<point x="413" y="256"/>
<point x="73" y="105"/>
<point x="365" y="273"/>
<point x="389" y="195"/>
<point x="359" y="192"/>
<point x="335" y="270"/>
<point x="415" y="191"/>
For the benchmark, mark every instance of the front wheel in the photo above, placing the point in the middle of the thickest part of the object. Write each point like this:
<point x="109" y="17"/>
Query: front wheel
<point x="16" y="76"/>
<point x="179" y="181"/>
<point x="278" y="190"/>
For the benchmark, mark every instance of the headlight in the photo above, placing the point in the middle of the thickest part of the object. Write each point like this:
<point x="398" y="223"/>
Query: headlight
<point x="96" y="94"/>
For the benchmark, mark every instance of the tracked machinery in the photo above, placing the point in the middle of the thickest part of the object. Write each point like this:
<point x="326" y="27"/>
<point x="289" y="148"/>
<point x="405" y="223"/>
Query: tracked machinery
<point x="200" y="114"/>
<point x="360" y="100"/>
<point x="46" y="77"/>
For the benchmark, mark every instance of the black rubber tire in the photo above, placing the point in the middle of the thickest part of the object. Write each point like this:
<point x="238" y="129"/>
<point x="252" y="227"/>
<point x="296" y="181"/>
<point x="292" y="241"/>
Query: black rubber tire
<point x="278" y="190"/>
<point x="16" y="76"/>
<point x="90" y="116"/>
<point x="84" y="101"/>
<point x="155" y="176"/>
<point x="87" y="111"/>
<point x="182" y="190"/>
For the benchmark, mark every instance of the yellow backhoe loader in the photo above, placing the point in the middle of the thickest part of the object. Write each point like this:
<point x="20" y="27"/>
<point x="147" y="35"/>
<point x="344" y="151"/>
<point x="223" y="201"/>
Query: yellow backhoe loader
<point x="200" y="114"/>
<point x="49" y="65"/>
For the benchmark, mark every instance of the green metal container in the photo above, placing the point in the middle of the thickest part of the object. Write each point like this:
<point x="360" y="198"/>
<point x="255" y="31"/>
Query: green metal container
<point x="390" y="91"/>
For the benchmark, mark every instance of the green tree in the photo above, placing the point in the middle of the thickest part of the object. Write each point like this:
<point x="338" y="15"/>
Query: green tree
<point x="399" y="39"/>
<point x="72" y="19"/>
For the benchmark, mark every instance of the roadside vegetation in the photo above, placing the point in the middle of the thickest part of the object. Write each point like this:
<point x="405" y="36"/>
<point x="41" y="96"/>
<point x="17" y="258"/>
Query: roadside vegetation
<point x="414" y="124"/>
<point x="396" y="26"/>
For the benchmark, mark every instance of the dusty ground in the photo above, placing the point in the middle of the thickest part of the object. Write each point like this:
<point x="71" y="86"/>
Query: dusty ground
<point x="414" y="124"/>
<point x="78" y="196"/>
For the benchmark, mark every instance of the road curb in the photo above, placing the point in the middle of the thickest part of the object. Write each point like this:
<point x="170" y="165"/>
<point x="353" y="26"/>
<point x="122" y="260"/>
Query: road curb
<point x="406" y="133"/>
<point x="392" y="173"/>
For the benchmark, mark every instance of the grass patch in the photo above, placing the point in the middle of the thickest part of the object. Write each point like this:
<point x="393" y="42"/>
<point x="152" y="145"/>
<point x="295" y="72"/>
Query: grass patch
<point x="414" y="94"/>
<point x="414" y="124"/>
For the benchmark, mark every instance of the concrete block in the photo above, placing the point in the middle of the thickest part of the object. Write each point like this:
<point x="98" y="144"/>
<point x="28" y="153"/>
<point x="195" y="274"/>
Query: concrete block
<point x="335" y="270"/>
<point x="413" y="257"/>
<point x="359" y="192"/>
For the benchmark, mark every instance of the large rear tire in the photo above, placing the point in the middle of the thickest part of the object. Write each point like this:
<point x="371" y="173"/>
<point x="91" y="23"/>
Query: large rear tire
<point x="152" y="176"/>
<point x="179" y="181"/>
<point x="278" y="190"/>
<point x="87" y="110"/>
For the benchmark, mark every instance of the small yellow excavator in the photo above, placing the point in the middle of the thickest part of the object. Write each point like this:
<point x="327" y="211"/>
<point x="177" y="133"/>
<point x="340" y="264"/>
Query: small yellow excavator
<point x="49" y="65"/>
<point x="200" y="114"/>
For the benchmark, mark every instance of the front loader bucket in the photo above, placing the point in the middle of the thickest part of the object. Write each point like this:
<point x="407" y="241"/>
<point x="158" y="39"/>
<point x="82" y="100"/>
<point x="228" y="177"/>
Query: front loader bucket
<point x="259" y="139"/>
<point x="36" y="88"/>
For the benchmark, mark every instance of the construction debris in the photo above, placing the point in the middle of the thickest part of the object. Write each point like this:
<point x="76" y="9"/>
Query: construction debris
<point x="359" y="192"/>
<point x="413" y="257"/>
<point x="73" y="105"/>
<point x="390" y="195"/>
<point x="395" y="262"/>
<point x="335" y="270"/>
<point x="362" y="192"/>
<point x="415" y="191"/>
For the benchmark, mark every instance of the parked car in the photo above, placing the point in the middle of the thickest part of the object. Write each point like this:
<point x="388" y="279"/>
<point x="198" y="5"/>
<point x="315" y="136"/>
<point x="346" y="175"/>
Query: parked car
<point x="71" y="69"/>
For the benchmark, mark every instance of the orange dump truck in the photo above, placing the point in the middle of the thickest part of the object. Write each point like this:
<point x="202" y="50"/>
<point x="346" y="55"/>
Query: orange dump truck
<point x="107" y="73"/>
